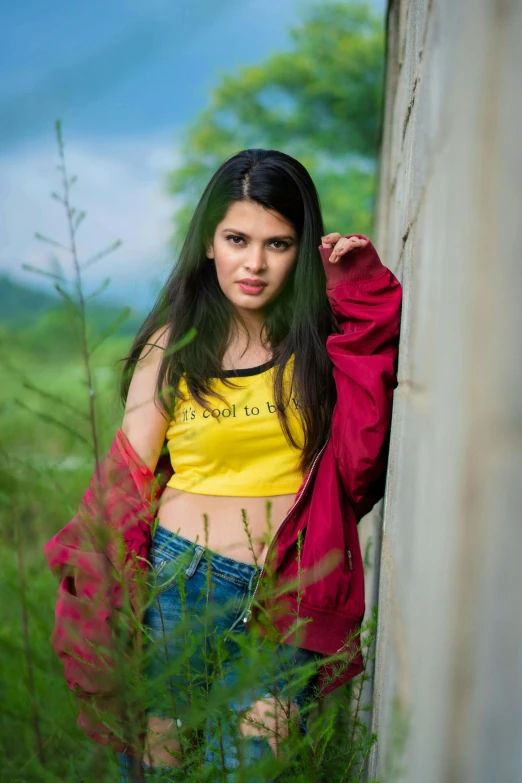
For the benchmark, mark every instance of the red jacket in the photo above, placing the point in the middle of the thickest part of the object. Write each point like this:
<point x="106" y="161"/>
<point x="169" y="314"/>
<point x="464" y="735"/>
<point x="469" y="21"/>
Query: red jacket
<point x="344" y="482"/>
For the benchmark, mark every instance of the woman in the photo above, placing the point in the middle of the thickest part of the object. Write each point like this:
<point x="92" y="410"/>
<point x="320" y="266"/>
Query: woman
<point x="281" y="400"/>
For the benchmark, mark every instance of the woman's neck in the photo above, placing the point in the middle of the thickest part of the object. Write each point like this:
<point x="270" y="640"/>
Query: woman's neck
<point x="238" y="356"/>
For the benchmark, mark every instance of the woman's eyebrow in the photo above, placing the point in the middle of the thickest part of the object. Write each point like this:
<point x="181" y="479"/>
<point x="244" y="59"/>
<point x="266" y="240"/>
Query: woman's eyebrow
<point x="242" y="233"/>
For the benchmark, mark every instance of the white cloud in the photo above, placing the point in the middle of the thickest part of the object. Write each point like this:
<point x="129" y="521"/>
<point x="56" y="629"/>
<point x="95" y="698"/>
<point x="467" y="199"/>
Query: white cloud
<point x="121" y="188"/>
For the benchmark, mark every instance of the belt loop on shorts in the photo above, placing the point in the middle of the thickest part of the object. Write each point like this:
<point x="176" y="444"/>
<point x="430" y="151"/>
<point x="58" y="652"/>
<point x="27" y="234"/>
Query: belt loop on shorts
<point x="198" y="553"/>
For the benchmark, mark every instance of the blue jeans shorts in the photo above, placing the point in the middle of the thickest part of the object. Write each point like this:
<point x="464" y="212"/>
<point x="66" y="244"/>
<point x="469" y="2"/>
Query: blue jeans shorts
<point x="197" y="656"/>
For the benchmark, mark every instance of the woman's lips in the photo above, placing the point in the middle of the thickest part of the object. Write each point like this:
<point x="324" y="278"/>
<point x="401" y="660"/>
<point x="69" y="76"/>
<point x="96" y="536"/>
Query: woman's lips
<point x="253" y="290"/>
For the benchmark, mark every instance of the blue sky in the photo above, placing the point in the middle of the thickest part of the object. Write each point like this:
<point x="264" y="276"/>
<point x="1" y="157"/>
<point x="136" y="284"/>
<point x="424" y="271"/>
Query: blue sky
<point x="125" y="77"/>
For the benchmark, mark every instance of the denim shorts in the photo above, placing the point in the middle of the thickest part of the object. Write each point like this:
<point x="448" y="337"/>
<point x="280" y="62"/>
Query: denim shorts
<point x="197" y="653"/>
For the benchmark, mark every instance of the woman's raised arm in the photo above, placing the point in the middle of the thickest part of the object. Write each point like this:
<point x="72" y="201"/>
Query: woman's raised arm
<point x="366" y="299"/>
<point x="144" y="423"/>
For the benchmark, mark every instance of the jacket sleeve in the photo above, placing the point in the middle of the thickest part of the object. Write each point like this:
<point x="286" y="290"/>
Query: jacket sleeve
<point x="93" y="559"/>
<point x="366" y="299"/>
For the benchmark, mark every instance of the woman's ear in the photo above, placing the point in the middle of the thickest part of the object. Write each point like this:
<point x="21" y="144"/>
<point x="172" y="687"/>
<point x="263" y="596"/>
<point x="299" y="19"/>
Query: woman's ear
<point x="210" y="250"/>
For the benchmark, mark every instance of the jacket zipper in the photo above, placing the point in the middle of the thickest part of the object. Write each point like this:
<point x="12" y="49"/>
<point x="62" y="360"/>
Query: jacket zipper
<point x="248" y="611"/>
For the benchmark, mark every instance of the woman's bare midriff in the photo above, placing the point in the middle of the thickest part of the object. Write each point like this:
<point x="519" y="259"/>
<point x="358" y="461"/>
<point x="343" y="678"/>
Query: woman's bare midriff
<point x="182" y="512"/>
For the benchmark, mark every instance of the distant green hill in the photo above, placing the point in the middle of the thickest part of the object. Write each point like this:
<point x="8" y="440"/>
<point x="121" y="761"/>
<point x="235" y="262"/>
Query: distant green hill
<point x="26" y="308"/>
<point x="21" y="305"/>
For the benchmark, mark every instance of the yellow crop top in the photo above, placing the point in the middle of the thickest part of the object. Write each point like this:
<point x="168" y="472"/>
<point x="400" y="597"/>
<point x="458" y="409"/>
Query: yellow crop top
<point x="239" y="449"/>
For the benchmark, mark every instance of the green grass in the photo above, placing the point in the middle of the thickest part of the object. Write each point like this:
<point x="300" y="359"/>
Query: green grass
<point x="44" y="470"/>
<point x="63" y="752"/>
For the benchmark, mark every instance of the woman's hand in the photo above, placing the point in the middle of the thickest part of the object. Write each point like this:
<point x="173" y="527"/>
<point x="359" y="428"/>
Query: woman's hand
<point x="341" y="245"/>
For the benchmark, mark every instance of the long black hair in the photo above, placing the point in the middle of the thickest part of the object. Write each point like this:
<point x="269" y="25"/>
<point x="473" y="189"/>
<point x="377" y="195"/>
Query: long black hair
<point x="297" y="322"/>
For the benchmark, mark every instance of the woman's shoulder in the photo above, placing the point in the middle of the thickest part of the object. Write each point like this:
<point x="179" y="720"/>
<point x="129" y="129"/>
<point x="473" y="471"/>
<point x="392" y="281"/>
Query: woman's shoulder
<point x="161" y="336"/>
<point x="157" y="343"/>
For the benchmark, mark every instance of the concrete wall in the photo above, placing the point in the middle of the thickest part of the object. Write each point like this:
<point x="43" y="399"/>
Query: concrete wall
<point x="448" y="679"/>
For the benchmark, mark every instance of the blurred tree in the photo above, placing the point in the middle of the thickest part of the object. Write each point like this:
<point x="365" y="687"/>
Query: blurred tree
<point x="320" y="103"/>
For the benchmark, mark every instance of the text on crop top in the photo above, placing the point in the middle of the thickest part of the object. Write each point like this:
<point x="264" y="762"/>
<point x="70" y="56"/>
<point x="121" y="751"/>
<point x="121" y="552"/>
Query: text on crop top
<point x="239" y="449"/>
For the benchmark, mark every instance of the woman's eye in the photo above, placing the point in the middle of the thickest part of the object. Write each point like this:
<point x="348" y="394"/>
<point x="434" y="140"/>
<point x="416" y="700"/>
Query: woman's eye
<point x="232" y="236"/>
<point x="280" y="242"/>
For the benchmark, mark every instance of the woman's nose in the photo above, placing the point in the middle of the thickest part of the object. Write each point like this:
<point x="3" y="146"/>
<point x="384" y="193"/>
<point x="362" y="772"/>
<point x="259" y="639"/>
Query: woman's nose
<point x="256" y="260"/>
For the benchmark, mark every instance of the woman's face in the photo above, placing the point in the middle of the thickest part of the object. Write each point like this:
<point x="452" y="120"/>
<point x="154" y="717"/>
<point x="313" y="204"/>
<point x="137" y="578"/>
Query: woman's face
<point x="253" y="242"/>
